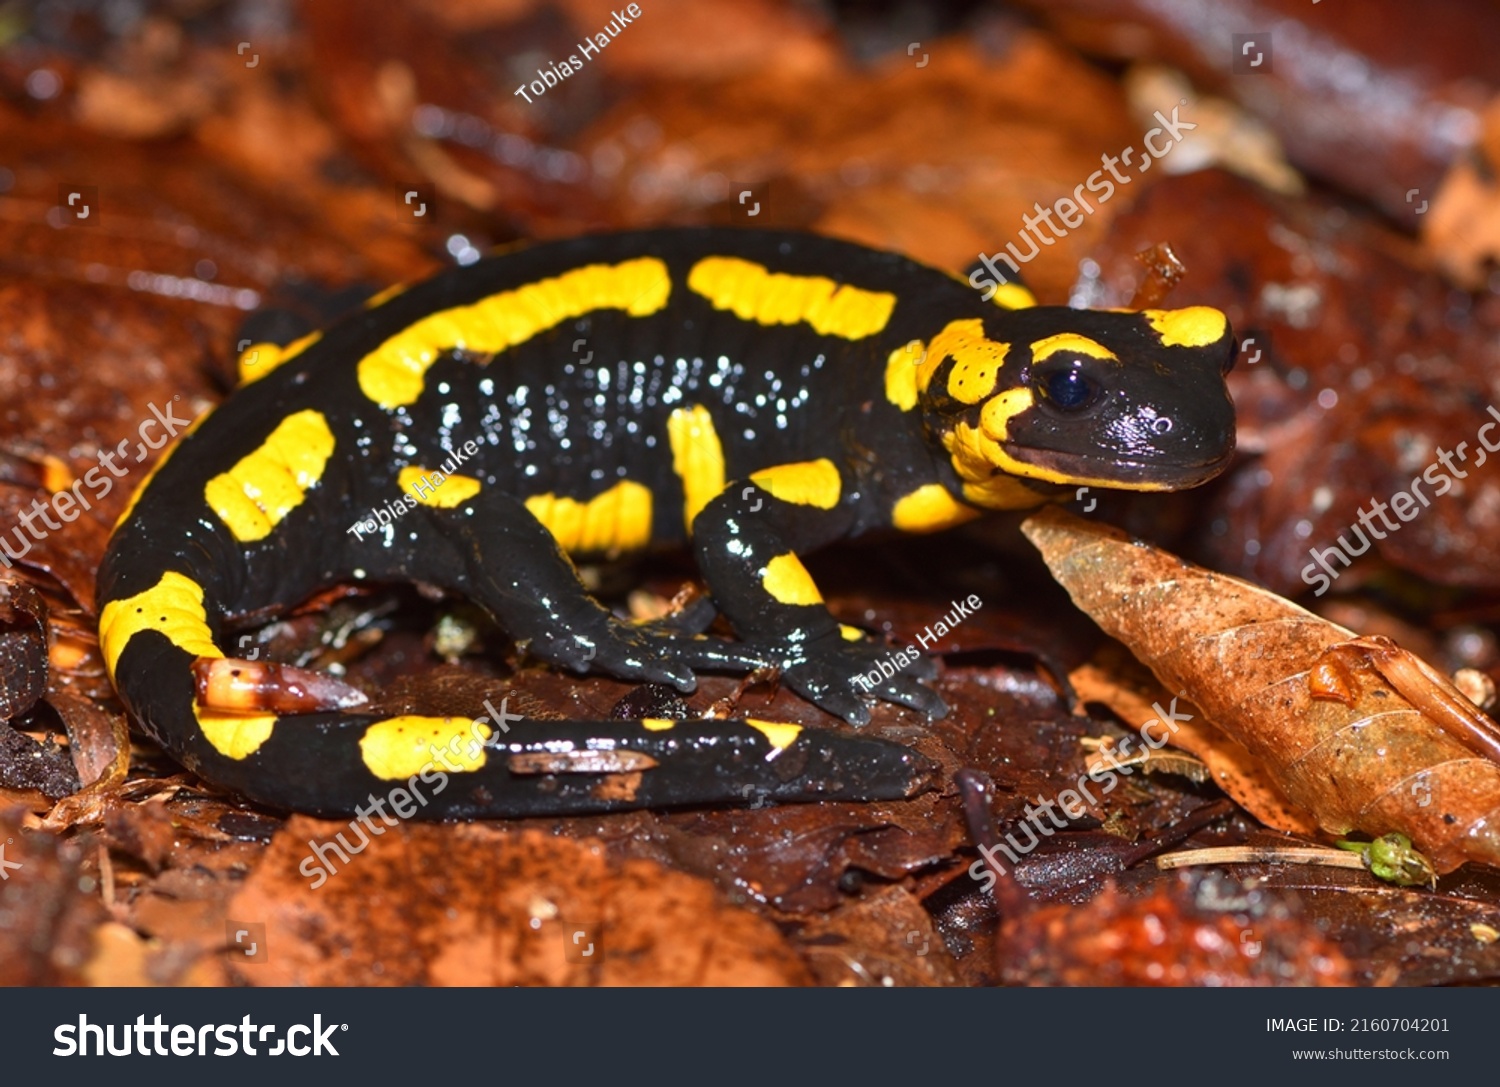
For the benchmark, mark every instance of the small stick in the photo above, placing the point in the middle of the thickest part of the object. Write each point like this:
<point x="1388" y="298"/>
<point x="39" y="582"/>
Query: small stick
<point x="1256" y="854"/>
<point x="1437" y="697"/>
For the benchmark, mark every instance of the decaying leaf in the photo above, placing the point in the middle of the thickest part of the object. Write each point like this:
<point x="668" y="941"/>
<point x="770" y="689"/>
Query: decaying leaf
<point x="1129" y="690"/>
<point x="1315" y="704"/>
<point x="23" y="648"/>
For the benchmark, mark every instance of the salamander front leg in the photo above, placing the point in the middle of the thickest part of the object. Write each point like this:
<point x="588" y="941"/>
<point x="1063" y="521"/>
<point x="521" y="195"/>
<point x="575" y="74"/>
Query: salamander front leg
<point x="511" y="566"/>
<point x="746" y="541"/>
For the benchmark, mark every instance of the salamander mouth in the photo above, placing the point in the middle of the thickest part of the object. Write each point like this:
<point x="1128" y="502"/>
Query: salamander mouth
<point x="1120" y="473"/>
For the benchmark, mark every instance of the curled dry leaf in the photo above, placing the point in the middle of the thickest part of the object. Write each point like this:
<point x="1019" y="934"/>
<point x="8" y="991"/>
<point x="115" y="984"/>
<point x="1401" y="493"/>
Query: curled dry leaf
<point x="23" y="648"/>
<point x="1128" y="689"/>
<point x="1364" y="737"/>
<point x="99" y="742"/>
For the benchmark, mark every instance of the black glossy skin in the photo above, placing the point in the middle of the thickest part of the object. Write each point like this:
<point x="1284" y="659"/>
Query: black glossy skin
<point x="546" y="421"/>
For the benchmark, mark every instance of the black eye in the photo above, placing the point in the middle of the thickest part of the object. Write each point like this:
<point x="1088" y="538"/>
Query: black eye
<point x="1069" y="390"/>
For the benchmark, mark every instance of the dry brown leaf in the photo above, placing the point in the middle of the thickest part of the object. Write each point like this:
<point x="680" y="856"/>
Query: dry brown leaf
<point x="1240" y="774"/>
<point x="1341" y="740"/>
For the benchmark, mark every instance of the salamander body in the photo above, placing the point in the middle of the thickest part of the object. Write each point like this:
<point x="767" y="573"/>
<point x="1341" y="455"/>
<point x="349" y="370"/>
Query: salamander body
<point x="749" y="395"/>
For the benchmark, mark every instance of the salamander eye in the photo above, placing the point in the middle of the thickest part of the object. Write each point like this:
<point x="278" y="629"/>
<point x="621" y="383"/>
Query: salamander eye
<point x="1068" y="390"/>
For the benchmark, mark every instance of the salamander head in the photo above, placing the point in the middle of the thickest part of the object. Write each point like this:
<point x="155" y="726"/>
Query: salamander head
<point x="1131" y="401"/>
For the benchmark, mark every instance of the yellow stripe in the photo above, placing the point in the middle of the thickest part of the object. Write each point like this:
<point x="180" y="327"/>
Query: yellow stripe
<point x="259" y="359"/>
<point x="1069" y="341"/>
<point x="788" y="581"/>
<point x="753" y="293"/>
<point x="401" y="747"/>
<point x="1195" y="326"/>
<point x="806" y="483"/>
<point x="697" y="458"/>
<point x="975" y="457"/>
<point x="393" y="374"/>
<point x="619" y="520"/>
<point x="173" y="607"/>
<point x="437" y="490"/>
<point x="255" y="495"/>
<point x="1003" y="492"/>
<point x="901" y="374"/>
<point x="657" y="724"/>
<point x="930" y="508"/>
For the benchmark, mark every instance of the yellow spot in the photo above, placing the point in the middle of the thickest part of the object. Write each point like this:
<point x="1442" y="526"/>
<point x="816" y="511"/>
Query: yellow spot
<point x="976" y="369"/>
<point x="392" y="375"/>
<point x="753" y="293"/>
<point x="1069" y="341"/>
<point x="901" y="374"/>
<point x="430" y="487"/>
<point x="976" y="360"/>
<point x="851" y="634"/>
<point x="806" y="483"/>
<point x="999" y="410"/>
<point x="259" y="359"/>
<point x="953" y="335"/>
<point x="255" y="495"/>
<point x="780" y="734"/>
<point x="399" y="747"/>
<point x="616" y="521"/>
<point x="657" y="724"/>
<point x="158" y="466"/>
<point x="1195" y="326"/>
<point x="235" y="735"/>
<point x="173" y="607"/>
<point x="380" y="298"/>
<point x="1013" y="296"/>
<point x="697" y="458"/>
<point x="788" y="581"/>
<point x="930" y="508"/>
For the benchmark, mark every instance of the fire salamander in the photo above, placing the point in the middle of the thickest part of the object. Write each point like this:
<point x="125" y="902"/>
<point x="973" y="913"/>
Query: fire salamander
<point x="752" y="395"/>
